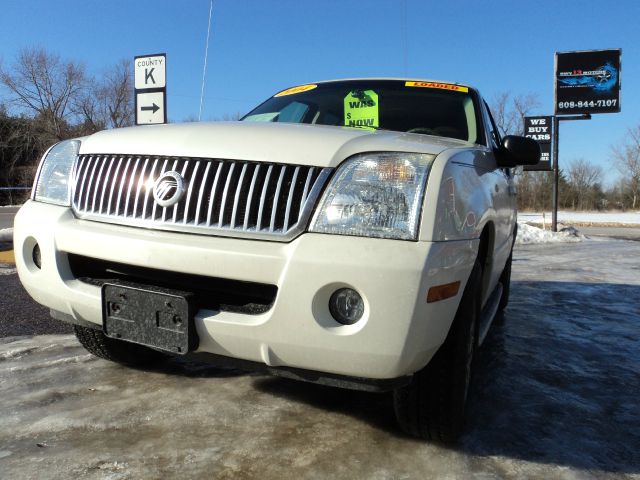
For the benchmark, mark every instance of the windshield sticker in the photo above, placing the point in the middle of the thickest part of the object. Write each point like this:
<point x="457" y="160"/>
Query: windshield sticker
<point x="441" y="86"/>
<point x="291" y="91"/>
<point x="361" y="109"/>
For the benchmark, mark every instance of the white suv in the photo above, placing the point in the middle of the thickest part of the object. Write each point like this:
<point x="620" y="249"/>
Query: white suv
<point x="355" y="233"/>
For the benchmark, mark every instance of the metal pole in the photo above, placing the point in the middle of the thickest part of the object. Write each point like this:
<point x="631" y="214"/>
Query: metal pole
<point x="556" y="175"/>
<point x="556" y="163"/>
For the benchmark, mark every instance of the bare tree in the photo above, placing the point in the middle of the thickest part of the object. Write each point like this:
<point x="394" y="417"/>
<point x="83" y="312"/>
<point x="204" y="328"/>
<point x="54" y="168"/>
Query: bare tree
<point x="20" y="146"/>
<point x="584" y="182"/>
<point x="108" y="103"/>
<point x="509" y="111"/>
<point x="627" y="161"/>
<point x="42" y="84"/>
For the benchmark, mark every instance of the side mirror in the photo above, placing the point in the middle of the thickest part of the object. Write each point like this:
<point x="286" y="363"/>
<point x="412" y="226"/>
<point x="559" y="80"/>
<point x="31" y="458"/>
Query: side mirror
<point x="518" y="151"/>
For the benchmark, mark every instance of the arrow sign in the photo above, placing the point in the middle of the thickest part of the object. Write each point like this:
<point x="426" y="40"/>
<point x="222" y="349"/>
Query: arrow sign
<point x="150" y="108"/>
<point x="153" y="109"/>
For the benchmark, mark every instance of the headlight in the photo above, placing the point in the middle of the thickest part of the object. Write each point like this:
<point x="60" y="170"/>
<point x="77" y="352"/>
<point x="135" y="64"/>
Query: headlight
<point x="54" y="174"/>
<point x="375" y="195"/>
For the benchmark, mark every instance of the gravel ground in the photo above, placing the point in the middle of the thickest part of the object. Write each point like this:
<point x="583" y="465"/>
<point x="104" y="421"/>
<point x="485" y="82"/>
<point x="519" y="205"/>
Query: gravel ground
<point x="555" y="396"/>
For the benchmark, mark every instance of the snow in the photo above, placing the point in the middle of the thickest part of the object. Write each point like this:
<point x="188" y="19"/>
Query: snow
<point x="528" y="234"/>
<point x="6" y="234"/>
<point x="569" y="217"/>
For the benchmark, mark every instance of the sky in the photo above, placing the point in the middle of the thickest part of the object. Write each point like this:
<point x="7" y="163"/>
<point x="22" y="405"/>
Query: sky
<point x="258" y="47"/>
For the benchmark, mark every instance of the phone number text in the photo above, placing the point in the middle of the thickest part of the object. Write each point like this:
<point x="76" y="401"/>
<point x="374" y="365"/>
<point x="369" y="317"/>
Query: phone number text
<point x="612" y="102"/>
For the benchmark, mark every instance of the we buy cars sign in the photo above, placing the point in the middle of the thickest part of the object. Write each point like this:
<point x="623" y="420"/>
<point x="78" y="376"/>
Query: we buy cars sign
<point x="540" y="130"/>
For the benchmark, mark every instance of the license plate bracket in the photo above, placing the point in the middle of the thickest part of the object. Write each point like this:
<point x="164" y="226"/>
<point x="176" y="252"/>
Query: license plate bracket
<point x="152" y="316"/>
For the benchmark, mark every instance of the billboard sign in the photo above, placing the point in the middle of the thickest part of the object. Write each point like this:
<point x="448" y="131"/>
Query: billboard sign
<point x="540" y="130"/>
<point x="587" y="82"/>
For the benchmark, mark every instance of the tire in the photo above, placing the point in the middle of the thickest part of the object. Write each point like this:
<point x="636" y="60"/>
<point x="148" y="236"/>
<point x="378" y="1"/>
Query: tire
<point x="505" y="280"/>
<point x="432" y="406"/>
<point x="97" y="343"/>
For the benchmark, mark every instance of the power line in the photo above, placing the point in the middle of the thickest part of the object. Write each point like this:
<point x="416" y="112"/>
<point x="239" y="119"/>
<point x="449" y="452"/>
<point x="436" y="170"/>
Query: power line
<point x="206" y="54"/>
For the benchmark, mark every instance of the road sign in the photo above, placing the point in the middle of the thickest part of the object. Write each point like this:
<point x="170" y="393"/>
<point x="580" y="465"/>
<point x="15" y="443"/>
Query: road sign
<point x="540" y="130"/>
<point x="150" y="108"/>
<point x="150" y="80"/>
<point x="150" y="71"/>
<point x="587" y="82"/>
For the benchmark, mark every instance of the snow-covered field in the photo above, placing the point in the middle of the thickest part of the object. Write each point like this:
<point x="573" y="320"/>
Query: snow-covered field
<point x="591" y="218"/>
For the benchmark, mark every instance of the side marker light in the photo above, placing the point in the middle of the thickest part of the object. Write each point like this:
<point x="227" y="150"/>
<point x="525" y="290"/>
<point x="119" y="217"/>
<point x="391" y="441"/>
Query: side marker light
<point x="441" y="292"/>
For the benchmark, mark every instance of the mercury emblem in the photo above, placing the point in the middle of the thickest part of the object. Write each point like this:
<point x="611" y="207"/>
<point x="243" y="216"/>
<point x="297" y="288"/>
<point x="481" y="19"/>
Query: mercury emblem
<point x="168" y="189"/>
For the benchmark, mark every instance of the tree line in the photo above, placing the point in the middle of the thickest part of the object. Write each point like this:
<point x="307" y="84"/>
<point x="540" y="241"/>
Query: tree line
<point x="45" y="98"/>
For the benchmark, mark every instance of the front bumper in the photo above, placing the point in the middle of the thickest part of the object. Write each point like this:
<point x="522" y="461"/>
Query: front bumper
<point x="397" y="335"/>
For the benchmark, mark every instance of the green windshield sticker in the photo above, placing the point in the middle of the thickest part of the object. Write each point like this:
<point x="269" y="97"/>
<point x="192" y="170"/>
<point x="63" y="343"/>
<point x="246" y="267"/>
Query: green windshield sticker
<point x="361" y="109"/>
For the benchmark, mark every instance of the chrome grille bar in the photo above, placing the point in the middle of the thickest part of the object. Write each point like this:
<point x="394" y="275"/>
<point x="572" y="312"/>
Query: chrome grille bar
<point x="241" y="198"/>
<point x="245" y="225"/>
<point x="139" y="187"/>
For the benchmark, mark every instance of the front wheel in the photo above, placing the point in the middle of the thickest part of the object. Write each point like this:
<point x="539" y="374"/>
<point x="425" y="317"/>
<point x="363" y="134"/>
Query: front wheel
<point x="432" y="406"/>
<point x="97" y="343"/>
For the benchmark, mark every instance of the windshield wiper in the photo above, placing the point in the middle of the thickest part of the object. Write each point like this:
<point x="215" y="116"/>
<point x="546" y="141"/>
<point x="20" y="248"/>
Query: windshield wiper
<point x="366" y="127"/>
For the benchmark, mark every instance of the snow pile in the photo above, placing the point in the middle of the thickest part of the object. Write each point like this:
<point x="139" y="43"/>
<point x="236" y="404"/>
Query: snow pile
<point x="6" y="234"/>
<point x="528" y="234"/>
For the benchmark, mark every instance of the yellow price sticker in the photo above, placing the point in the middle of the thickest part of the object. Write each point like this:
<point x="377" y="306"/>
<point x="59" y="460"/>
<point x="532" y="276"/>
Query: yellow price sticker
<point x="291" y="91"/>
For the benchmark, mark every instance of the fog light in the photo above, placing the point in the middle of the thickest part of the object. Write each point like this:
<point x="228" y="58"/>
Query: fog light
<point x="346" y="306"/>
<point x="37" y="256"/>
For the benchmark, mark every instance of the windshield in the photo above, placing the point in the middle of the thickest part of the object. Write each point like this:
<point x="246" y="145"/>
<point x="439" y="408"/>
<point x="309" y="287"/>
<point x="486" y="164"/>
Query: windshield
<point x="429" y="108"/>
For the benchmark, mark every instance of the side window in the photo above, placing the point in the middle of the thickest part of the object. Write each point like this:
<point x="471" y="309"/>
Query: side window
<point x="495" y="132"/>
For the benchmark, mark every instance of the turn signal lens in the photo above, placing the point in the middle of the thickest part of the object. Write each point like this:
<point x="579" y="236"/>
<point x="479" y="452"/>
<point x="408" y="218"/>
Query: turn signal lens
<point x="441" y="292"/>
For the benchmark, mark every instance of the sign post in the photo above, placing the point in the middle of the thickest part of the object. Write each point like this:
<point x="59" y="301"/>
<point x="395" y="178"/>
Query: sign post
<point x="585" y="82"/>
<point x="150" y="81"/>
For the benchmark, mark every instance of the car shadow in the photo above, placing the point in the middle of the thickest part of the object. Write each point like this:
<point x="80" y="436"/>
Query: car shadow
<point x="557" y="381"/>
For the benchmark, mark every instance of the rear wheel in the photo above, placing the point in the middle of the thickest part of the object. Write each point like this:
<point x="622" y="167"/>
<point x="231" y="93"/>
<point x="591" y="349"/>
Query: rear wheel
<point x="432" y="406"/>
<point x="97" y="343"/>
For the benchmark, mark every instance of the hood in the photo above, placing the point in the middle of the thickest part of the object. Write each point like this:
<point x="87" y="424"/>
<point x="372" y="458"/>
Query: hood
<point x="298" y="144"/>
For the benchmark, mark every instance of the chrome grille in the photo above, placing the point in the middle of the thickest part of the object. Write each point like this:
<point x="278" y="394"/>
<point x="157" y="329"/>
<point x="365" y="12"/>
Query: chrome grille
<point x="222" y="197"/>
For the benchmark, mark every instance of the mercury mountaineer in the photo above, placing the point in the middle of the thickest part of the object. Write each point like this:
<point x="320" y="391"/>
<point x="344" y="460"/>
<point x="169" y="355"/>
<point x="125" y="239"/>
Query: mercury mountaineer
<point x="356" y="233"/>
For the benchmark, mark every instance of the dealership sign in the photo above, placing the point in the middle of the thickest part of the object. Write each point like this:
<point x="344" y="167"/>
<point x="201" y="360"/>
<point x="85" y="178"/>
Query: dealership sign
<point x="587" y="82"/>
<point x="540" y="130"/>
